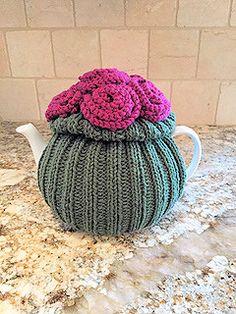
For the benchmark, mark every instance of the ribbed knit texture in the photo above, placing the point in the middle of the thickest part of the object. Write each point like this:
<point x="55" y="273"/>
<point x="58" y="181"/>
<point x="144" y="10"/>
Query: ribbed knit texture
<point x="106" y="182"/>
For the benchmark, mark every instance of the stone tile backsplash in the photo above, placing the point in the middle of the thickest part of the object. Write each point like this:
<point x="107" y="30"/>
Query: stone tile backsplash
<point x="186" y="47"/>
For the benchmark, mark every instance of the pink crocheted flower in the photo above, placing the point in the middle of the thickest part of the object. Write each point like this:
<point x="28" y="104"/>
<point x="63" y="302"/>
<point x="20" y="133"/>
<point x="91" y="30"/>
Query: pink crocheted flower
<point x="64" y="104"/>
<point x="105" y="76"/>
<point x="111" y="99"/>
<point x="111" y="106"/>
<point x="155" y="106"/>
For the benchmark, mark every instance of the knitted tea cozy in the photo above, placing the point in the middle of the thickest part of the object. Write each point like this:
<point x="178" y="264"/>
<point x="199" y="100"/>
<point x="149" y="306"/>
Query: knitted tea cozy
<point x="111" y="165"/>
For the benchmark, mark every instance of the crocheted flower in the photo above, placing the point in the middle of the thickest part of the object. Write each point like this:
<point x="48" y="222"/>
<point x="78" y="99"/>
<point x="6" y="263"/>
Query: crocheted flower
<point x="155" y="106"/>
<point x="111" y="106"/>
<point x="101" y="77"/>
<point x="64" y="104"/>
<point x="111" y="99"/>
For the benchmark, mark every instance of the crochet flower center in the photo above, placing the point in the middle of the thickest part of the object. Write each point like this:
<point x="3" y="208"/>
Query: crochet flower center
<point x="111" y="106"/>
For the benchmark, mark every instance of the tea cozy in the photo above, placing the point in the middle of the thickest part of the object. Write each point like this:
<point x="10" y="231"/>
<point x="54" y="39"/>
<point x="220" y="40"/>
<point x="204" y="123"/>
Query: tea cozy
<point x="111" y="165"/>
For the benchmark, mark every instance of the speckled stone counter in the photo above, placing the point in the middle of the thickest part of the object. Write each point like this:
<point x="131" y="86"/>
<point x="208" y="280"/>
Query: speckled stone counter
<point x="187" y="264"/>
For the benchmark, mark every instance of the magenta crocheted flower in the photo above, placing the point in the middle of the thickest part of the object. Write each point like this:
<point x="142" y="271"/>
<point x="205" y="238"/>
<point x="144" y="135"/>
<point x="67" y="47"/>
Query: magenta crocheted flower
<point x="111" y="106"/>
<point x="111" y="99"/>
<point x="155" y="106"/>
<point x="64" y="104"/>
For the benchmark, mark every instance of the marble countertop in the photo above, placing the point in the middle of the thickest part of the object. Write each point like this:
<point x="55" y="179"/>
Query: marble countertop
<point x="187" y="264"/>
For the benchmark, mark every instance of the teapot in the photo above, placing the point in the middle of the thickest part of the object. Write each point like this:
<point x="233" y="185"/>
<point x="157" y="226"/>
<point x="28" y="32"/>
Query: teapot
<point x="112" y="165"/>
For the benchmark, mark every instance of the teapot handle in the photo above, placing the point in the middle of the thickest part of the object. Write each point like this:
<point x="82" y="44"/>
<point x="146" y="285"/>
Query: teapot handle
<point x="197" y="151"/>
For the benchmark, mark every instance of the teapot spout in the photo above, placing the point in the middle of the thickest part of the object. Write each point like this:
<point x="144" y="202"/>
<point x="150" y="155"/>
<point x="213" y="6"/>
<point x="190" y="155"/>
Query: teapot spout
<point x="35" y="139"/>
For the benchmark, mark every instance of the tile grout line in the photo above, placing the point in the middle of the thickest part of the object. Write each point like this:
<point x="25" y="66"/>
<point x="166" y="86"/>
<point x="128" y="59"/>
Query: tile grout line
<point x="74" y="13"/>
<point x="26" y="15"/>
<point x="198" y="52"/>
<point x="154" y="79"/>
<point x="53" y="55"/>
<point x="148" y="53"/>
<point x="176" y="13"/>
<point x="40" y="78"/>
<point x="125" y="11"/>
<point x="230" y="12"/>
<point x="37" y="97"/>
<point x="217" y="103"/>
<point x="8" y="54"/>
<point x="100" y="47"/>
<point x="121" y="27"/>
